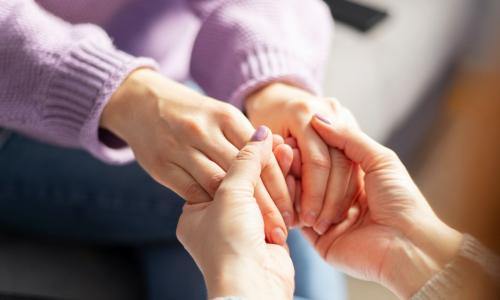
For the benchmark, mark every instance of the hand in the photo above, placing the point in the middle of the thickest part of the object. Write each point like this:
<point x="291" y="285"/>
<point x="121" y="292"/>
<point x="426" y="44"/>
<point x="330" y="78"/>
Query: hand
<point x="225" y="237"/>
<point x="391" y="235"/>
<point x="187" y="141"/>
<point x="328" y="182"/>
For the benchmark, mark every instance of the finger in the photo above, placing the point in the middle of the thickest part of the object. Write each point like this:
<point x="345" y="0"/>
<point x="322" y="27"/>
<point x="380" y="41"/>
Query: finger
<point x="291" y="141"/>
<point x="315" y="170"/>
<point x="244" y="173"/>
<point x="209" y="174"/>
<point x="277" y="140"/>
<point x="335" y="201"/>
<point x="271" y="175"/>
<point x="275" y="227"/>
<point x="296" y="163"/>
<point x="355" y="185"/>
<point x="290" y="183"/>
<point x="310" y="235"/>
<point x="284" y="156"/>
<point x="275" y="184"/>
<point x="298" y="196"/>
<point x="185" y="185"/>
<point x="357" y="146"/>
<point x="324" y="242"/>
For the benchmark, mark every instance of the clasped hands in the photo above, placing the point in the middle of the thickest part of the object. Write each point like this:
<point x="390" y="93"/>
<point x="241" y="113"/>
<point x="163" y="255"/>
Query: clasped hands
<point x="358" y="205"/>
<point x="187" y="142"/>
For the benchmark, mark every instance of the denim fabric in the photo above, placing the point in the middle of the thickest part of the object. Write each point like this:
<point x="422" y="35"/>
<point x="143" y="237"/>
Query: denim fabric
<point x="59" y="193"/>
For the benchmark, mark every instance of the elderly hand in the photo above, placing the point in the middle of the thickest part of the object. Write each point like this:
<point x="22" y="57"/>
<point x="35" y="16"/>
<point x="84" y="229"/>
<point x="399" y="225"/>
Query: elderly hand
<point x="226" y="236"/>
<point x="187" y="141"/>
<point x="391" y="235"/>
<point x="329" y="182"/>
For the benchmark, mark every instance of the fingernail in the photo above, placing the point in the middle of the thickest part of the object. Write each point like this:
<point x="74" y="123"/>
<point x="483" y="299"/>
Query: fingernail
<point x="297" y="206"/>
<point x="260" y="134"/>
<point x="310" y="218"/>
<point x="278" y="236"/>
<point x="323" y="119"/>
<point x="322" y="227"/>
<point x="288" y="218"/>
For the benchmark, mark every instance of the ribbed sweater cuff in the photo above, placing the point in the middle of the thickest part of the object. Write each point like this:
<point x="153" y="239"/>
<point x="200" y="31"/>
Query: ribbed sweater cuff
<point x="448" y="283"/>
<point x="260" y="67"/>
<point x="81" y="85"/>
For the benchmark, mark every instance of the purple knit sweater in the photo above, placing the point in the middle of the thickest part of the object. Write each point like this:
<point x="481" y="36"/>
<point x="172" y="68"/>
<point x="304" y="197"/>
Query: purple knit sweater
<point x="60" y="60"/>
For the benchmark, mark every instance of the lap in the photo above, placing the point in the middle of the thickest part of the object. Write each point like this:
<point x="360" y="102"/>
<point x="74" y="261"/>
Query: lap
<point x="61" y="193"/>
<point x="174" y="274"/>
<point x="65" y="193"/>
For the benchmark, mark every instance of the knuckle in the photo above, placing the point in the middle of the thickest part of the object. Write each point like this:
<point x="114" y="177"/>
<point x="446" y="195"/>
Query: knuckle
<point x="334" y="103"/>
<point x="228" y="114"/>
<point x="214" y="182"/>
<point x="193" y="192"/>
<point x="340" y="162"/>
<point x="179" y="232"/>
<point x="160" y="160"/>
<point x="383" y="158"/>
<point x="388" y="155"/>
<point x="246" y="154"/>
<point x="192" y="127"/>
<point x="302" y="106"/>
<point x="282" y="201"/>
<point x="318" y="162"/>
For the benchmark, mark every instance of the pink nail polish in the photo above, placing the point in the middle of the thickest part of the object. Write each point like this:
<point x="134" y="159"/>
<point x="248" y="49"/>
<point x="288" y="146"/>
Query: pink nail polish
<point x="260" y="134"/>
<point x="323" y="119"/>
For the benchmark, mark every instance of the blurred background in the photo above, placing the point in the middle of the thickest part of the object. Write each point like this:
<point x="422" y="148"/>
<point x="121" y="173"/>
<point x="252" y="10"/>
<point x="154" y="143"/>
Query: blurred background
<point x="426" y="82"/>
<point x="423" y="77"/>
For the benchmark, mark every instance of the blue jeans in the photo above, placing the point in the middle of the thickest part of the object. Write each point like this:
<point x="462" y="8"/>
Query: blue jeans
<point x="65" y="194"/>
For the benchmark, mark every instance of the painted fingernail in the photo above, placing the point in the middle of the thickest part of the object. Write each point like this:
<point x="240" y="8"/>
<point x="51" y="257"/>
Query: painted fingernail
<point x="260" y="134"/>
<point x="322" y="227"/>
<point x="288" y="218"/>
<point x="310" y="218"/>
<point x="323" y="119"/>
<point x="278" y="236"/>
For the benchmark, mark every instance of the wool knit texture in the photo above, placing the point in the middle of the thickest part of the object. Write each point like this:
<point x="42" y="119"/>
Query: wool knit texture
<point x="60" y="61"/>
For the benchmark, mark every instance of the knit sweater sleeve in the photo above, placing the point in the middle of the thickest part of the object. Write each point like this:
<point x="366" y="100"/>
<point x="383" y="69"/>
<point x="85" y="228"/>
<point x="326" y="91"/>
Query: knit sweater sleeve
<point x="245" y="44"/>
<point x="55" y="78"/>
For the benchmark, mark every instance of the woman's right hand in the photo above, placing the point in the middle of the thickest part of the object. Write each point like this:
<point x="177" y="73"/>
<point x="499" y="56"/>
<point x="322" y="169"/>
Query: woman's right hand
<point x="187" y="141"/>
<point x="391" y="235"/>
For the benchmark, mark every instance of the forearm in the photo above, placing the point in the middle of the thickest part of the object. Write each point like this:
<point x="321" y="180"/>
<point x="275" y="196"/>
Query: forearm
<point x="243" y="278"/>
<point x="437" y="262"/>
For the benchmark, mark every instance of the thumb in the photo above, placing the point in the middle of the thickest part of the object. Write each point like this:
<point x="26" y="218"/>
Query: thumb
<point x="355" y="144"/>
<point x="244" y="173"/>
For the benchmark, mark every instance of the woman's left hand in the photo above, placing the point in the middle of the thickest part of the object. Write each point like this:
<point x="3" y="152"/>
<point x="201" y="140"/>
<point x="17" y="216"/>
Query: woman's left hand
<point x="226" y="236"/>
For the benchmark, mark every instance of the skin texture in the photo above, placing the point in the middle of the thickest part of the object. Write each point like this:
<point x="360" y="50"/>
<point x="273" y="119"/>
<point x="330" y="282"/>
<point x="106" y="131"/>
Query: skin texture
<point x="390" y="235"/>
<point x="187" y="141"/>
<point x="226" y="236"/>
<point x="326" y="182"/>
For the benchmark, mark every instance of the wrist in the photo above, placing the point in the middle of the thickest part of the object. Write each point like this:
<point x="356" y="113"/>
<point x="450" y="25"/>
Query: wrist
<point x="416" y="258"/>
<point x="119" y="111"/>
<point x="268" y="106"/>
<point x="276" y="91"/>
<point x="236" y="277"/>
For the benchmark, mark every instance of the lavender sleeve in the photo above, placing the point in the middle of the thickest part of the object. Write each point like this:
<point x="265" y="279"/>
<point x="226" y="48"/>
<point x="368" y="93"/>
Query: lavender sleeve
<point x="55" y="78"/>
<point x="245" y="44"/>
